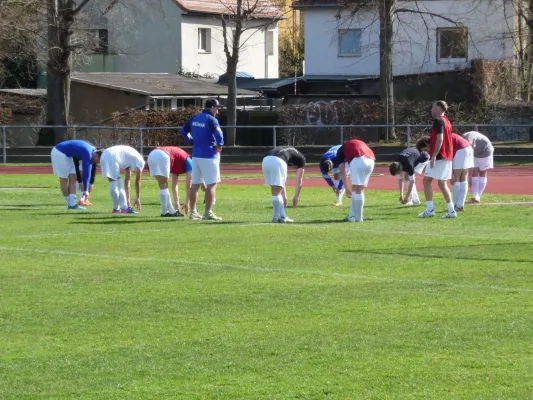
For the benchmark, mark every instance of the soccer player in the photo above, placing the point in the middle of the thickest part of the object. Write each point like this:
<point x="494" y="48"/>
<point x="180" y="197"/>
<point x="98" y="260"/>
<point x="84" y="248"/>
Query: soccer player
<point x="275" y="172"/>
<point x="483" y="161"/>
<point x="361" y="160"/>
<point x="463" y="160"/>
<point x="440" y="163"/>
<point x="410" y="161"/>
<point x="113" y="160"/>
<point x="163" y="161"/>
<point x="328" y="164"/>
<point x="205" y="135"/>
<point x="64" y="167"/>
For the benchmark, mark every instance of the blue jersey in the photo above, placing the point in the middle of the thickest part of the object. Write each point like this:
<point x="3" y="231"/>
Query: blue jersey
<point x="203" y="132"/>
<point x="83" y="151"/>
<point x="331" y="155"/>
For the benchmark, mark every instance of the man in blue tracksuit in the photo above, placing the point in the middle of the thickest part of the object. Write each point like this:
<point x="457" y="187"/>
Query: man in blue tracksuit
<point x="63" y="156"/>
<point x="328" y="164"/>
<point x="205" y="135"/>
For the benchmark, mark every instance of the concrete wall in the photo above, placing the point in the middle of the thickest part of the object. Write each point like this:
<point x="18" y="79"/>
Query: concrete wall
<point x="415" y="37"/>
<point x="253" y="56"/>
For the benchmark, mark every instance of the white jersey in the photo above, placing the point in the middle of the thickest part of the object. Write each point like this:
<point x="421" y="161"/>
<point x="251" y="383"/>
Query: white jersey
<point x="127" y="157"/>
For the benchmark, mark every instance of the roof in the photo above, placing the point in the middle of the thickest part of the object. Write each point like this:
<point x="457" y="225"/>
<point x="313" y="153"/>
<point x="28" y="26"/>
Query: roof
<point x="321" y="3"/>
<point x="314" y="78"/>
<point x="155" y="84"/>
<point x="263" y="8"/>
<point x="26" y="92"/>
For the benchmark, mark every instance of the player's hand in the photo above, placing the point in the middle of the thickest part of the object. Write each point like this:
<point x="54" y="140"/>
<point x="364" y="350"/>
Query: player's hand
<point x="337" y="191"/>
<point x="137" y="203"/>
<point x="433" y="162"/>
<point x="203" y="187"/>
<point x="295" y="202"/>
<point x="186" y="208"/>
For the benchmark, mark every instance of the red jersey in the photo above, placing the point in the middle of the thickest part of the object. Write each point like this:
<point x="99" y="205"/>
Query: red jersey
<point x="442" y="126"/>
<point x="459" y="143"/>
<point x="357" y="148"/>
<point x="178" y="157"/>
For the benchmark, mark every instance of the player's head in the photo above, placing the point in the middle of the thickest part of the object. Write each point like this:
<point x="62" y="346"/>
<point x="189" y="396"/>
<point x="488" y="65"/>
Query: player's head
<point x="212" y="105"/>
<point x="97" y="155"/>
<point x="395" y="168"/>
<point x="327" y="165"/>
<point x="439" y="108"/>
<point x="423" y="144"/>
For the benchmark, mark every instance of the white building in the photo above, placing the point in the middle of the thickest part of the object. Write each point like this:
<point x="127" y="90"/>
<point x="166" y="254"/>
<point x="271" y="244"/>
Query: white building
<point x="164" y="36"/>
<point x="340" y="45"/>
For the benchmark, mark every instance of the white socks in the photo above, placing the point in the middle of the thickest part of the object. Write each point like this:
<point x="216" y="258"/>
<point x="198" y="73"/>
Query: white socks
<point x="429" y="205"/>
<point x="463" y="190"/>
<point x="164" y="198"/>
<point x="414" y="194"/>
<point x="358" y="202"/>
<point x="456" y="193"/>
<point x="122" y="194"/>
<point x="451" y="208"/>
<point x="71" y="200"/>
<point x="277" y="205"/>
<point x="338" y="197"/>
<point x="113" y="191"/>
<point x="482" y="186"/>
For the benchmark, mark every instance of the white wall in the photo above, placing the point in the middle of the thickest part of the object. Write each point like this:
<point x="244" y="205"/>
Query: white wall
<point x="252" y="55"/>
<point x="146" y="36"/>
<point x="415" y="44"/>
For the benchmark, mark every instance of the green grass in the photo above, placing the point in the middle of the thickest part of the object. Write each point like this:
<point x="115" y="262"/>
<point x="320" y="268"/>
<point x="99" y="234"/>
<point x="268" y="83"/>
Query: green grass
<point x="97" y="306"/>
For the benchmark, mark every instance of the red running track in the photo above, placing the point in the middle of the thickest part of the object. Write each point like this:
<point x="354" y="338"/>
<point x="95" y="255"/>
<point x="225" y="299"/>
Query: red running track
<point x="502" y="180"/>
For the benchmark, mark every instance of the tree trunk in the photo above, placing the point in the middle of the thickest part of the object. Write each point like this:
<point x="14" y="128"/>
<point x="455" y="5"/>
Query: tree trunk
<point x="386" y="18"/>
<point x="60" y="19"/>
<point x="231" y="112"/>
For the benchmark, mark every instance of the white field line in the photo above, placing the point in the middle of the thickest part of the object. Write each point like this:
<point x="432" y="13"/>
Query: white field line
<point x="264" y="269"/>
<point x="502" y="203"/>
<point x="345" y="228"/>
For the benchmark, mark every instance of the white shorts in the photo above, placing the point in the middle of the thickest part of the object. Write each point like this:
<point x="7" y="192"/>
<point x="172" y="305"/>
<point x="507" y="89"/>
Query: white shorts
<point x="484" y="163"/>
<point x="274" y="171"/>
<point x="62" y="165"/>
<point x="338" y="170"/>
<point x="420" y="168"/>
<point x="159" y="163"/>
<point x="205" y="170"/>
<point x="464" y="158"/>
<point x="109" y="166"/>
<point x="360" y="170"/>
<point x="441" y="172"/>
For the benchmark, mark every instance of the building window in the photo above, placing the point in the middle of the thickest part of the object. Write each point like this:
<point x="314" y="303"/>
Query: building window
<point x="452" y="44"/>
<point x="94" y="40"/>
<point x="350" y="42"/>
<point x="270" y="43"/>
<point x="204" y="40"/>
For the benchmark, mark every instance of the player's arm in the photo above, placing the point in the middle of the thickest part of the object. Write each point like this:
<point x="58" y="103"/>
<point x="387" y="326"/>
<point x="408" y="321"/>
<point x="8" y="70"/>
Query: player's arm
<point x="77" y="168"/>
<point x="186" y="132"/>
<point x="137" y="203"/>
<point x="299" y="185"/>
<point x="284" y="196"/>
<point x="86" y="175"/>
<point x="410" y="184"/>
<point x="188" y="183"/>
<point x="127" y="180"/>
<point x="438" y="126"/>
<point x="175" y="191"/>
<point x="340" y="159"/>
<point x="217" y="133"/>
<point x="400" y="185"/>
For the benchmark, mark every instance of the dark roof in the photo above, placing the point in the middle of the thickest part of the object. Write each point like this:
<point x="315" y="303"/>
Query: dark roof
<point x="262" y="8"/>
<point x="156" y="84"/>
<point x="315" y="78"/>
<point x="321" y="3"/>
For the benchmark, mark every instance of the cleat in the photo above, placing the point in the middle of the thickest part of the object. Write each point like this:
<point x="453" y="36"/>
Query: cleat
<point x="177" y="214"/>
<point x="473" y="201"/>
<point x="116" y="212"/>
<point x="427" y="214"/>
<point x="350" y="218"/>
<point x="165" y="215"/>
<point x="450" y="215"/>
<point x="84" y="203"/>
<point x="275" y="220"/>
<point x="285" y="220"/>
<point x="211" y="217"/>
<point x="459" y="209"/>
<point x="128" y="210"/>
<point x="336" y="205"/>
<point x="195" y="216"/>
<point x="76" y="207"/>
<point x="409" y="203"/>
<point x="416" y="202"/>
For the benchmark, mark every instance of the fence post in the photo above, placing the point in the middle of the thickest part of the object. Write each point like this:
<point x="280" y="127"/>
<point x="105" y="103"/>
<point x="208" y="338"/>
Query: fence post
<point x="476" y="128"/>
<point x="408" y="135"/>
<point x="141" y="147"/>
<point x="274" y="136"/>
<point x="342" y="134"/>
<point x="4" y="140"/>
<point x="73" y="132"/>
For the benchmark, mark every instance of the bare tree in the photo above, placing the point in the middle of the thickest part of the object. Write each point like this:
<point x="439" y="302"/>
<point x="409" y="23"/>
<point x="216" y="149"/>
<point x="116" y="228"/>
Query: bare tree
<point x="241" y="16"/>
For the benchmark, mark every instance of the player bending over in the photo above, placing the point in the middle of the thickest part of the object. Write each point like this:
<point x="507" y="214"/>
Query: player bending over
<point x="409" y="162"/>
<point x="483" y="161"/>
<point x="163" y="161"/>
<point x="440" y="163"/>
<point x="115" y="159"/>
<point x="361" y="160"/>
<point x="275" y="172"/>
<point x="328" y="164"/>
<point x="64" y="167"/>
<point x="463" y="161"/>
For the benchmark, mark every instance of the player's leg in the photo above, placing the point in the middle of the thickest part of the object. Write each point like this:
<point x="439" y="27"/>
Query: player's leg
<point x="196" y="182"/>
<point x="456" y="186"/>
<point x="475" y="182"/>
<point x="443" y="186"/>
<point x="360" y="170"/>
<point x="277" y="203"/>
<point x="211" y="174"/>
<point x="115" y="196"/>
<point x="483" y="179"/>
<point x="164" y="195"/>
<point x="428" y="194"/>
<point x="337" y="180"/>
<point x="463" y="190"/>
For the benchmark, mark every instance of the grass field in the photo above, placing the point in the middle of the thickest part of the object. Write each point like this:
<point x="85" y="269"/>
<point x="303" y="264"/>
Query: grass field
<point x="97" y="306"/>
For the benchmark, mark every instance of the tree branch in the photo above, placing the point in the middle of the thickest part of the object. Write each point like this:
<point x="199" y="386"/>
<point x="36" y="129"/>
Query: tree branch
<point x="80" y="7"/>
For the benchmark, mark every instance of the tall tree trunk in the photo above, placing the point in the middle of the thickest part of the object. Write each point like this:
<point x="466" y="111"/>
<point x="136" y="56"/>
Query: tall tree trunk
<point x="231" y="116"/>
<point x="386" y="18"/>
<point x="60" y="19"/>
